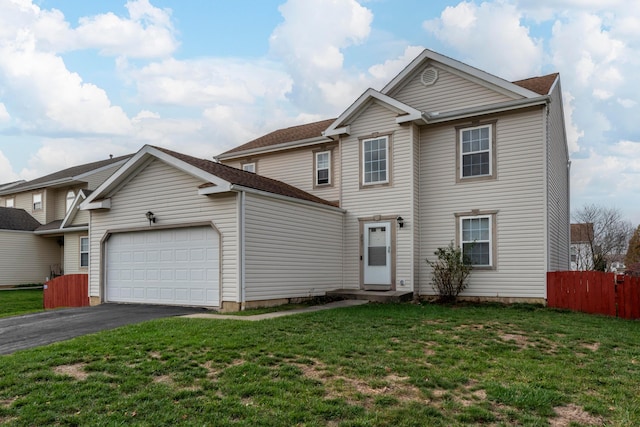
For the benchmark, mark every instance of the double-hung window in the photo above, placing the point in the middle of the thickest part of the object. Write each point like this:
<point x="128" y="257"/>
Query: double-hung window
<point x="9" y="203"/>
<point x="375" y="160"/>
<point x="476" y="151"/>
<point x="37" y="201"/>
<point x="84" y="252"/>
<point x="476" y="240"/>
<point x="323" y="168"/>
<point x="249" y="167"/>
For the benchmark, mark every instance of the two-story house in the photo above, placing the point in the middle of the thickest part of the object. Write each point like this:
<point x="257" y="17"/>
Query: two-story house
<point x="443" y="153"/>
<point x="42" y="231"/>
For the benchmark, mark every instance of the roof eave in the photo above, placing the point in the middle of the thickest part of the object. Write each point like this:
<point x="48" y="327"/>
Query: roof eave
<point x="62" y="230"/>
<point x="272" y="148"/>
<point x="436" y="117"/>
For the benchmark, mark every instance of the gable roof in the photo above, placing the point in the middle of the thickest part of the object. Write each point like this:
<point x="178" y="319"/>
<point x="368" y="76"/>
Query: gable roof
<point x="217" y="178"/>
<point x="310" y="131"/>
<point x="17" y="219"/>
<point x="66" y="176"/>
<point x="541" y="85"/>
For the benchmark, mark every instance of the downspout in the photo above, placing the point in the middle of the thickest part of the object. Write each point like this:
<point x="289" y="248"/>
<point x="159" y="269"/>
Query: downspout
<point x="344" y="216"/>
<point x="241" y="240"/>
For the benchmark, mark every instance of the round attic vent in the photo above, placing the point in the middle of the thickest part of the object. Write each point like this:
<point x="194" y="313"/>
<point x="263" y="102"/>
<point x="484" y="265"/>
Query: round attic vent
<point x="429" y="76"/>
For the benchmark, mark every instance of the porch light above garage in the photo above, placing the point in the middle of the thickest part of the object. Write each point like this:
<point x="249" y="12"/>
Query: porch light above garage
<point x="151" y="217"/>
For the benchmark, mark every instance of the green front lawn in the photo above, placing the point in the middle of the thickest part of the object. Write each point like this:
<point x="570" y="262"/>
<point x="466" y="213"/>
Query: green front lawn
<point x="14" y="302"/>
<point x="372" y="365"/>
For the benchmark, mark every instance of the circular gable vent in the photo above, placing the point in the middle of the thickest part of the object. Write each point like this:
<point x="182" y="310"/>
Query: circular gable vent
<point x="429" y="76"/>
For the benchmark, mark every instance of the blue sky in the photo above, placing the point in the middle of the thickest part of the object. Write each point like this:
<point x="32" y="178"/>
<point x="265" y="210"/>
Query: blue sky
<point x="80" y="80"/>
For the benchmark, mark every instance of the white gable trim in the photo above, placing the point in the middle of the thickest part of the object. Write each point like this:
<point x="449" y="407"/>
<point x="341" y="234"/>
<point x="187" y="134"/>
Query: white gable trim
<point x="406" y="113"/>
<point x="99" y="199"/>
<point x="71" y="214"/>
<point x="482" y="76"/>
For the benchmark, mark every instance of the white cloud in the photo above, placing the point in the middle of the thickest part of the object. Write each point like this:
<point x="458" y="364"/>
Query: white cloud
<point x="4" y="114"/>
<point x="312" y="51"/>
<point x="390" y="68"/>
<point x="490" y="37"/>
<point x="573" y="134"/>
<point x="6" y="170"/>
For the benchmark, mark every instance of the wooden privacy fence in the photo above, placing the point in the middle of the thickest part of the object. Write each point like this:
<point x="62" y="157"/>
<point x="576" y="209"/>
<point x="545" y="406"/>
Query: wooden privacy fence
<point x="595" y="292"/>
<point x="70" y="290"/>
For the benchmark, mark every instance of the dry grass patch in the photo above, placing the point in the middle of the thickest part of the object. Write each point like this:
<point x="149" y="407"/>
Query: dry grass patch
<point x="5" y="403"/>
<point x="593" y="346"/>
<point x="75" y="371"/>
<point x="567" y="414"/>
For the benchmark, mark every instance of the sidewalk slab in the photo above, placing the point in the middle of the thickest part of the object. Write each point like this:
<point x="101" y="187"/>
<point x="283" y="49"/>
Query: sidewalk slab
<point x="331" y="305"/>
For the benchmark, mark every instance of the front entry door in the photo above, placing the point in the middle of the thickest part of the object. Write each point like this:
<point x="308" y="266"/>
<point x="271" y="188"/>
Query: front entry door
<point x="377" y="255"/>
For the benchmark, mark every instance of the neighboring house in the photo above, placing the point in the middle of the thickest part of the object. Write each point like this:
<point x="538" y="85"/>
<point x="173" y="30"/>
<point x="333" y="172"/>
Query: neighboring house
<point x="443" y="153"/>
<point x="581" y="254"/>
<point x="42" y="231"/>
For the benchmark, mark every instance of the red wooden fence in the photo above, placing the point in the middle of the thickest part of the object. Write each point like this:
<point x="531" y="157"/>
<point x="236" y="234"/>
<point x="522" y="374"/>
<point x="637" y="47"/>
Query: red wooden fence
<point x="595" y="292"/>
<point x="70" y="290"/>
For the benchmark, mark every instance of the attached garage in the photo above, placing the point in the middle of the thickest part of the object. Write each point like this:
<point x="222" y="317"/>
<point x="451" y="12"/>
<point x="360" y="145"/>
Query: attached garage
<point x="176" y="266"/>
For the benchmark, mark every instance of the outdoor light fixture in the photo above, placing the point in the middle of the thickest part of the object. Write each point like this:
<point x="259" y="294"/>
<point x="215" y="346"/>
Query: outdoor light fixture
<point x="151" y="217"/>
<point x="400" y="221"/>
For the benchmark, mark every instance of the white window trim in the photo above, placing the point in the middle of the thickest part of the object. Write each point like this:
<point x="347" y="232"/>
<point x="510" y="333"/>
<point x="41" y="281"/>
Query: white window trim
<point x="328" y="183"/>
<point x="84" y="252"/>
<point x="388" y="161"/>
<point x="10" y="201"/>
<point x="33" y="204"/>
<point x="246" y="166"/>
<point x="489" y="151"/>
<point x="491" y="240"/>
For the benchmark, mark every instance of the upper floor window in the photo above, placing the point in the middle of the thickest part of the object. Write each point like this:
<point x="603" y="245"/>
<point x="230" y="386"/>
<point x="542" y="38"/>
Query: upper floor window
<point x="37" y="201"/>
<point x="9" y="203"/>
<point x="476" y="239"/>
<point x="71" y="196"/>
<point x="323" y="168"/>
<point x="249" y="167"/>
<point x="84" y="252"/>
<point x="476" y="151"/>
<point x="375" y="160"/>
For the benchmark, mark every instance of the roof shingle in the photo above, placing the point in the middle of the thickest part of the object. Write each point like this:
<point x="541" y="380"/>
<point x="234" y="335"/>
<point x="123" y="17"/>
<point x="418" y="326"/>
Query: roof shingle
<point x="540" y="85"/>
<point x="17" y="219"/>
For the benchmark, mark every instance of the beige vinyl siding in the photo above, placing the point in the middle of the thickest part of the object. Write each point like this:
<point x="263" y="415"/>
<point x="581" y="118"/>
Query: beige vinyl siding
<point x="296" y="167"/>
<point x="292" y="250"/>
<point x="26" y="257"/>
<point x="173" y="197"/>
<point x="449" y="92"/>
<point x="518" y="196"/>
<point x="95" y="179"/>
<point x="81" y="218"/>
<point x="387" y="200"/>
<point x="415" y="227"/>
<point x="558" y="186"/>
<point x="72" y="253"/>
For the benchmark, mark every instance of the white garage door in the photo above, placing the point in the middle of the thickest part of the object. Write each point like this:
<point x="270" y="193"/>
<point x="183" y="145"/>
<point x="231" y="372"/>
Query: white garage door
<point x="175" y="267"/>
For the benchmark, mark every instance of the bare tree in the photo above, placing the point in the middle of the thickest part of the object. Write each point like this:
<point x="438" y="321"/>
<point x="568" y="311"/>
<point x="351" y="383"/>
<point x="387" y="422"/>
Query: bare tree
<point x="609" y="238"/>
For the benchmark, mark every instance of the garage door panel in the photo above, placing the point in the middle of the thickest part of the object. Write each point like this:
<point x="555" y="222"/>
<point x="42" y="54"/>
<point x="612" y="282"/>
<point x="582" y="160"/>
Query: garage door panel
<point x="176" y="266"/>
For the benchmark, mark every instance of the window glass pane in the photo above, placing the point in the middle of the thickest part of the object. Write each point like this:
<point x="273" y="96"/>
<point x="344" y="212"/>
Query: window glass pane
<point x="375" y="160"/>
<point x="84" y="244"/>
<point x="476" y="240"/>
<point x="323" y="176"/>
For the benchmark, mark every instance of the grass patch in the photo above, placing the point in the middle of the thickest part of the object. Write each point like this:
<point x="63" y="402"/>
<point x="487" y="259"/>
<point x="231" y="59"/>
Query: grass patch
<point x="14" y="302"/>
<point x="372" y="365"/>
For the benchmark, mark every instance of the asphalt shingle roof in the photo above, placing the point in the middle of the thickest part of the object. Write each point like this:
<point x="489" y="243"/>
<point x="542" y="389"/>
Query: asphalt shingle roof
<point x="246" y="179"/>
<point x="71" y="172"/>
<point x="540" y="85"/>
<point x="17" y="219"/>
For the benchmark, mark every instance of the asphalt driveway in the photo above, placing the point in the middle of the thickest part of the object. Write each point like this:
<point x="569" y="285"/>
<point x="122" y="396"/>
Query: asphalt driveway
<point x="33" y="330"/>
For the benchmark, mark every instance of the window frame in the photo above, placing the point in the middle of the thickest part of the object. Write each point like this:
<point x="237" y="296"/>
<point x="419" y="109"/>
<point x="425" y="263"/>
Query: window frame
<point x="492" y="125"/>
<point x="33" y="202"/>
<point x="388" y="160"/>
<point x="491" y="216"/>
<point x="10" y="201"/>
<point x="316" y="154"/>
<point x="85" y="238"/>
<point x="253" y="165"/>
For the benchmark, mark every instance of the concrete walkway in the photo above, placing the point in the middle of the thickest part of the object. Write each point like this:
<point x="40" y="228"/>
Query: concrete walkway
<point x="336" y="304"/>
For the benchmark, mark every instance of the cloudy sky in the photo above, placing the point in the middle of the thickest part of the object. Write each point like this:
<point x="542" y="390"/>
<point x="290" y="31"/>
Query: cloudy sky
<point x="80" y="80"/>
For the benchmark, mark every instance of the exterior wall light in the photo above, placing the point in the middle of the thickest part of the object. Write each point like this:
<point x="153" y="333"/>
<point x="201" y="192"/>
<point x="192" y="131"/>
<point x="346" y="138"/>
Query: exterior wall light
<point x="151" y="217"/>
<point x="400" y="221"/>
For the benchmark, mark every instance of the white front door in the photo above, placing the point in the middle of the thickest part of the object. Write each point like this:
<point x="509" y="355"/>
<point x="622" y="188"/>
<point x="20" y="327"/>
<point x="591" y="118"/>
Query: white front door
<point x="377" y="254"/>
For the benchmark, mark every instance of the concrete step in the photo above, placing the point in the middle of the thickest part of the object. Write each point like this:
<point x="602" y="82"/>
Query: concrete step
<point x="373" y="296"/>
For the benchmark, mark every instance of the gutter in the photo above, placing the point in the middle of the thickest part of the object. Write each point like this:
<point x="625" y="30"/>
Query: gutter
<point x="437" y="117"/>
<point x="61" y="230"/>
